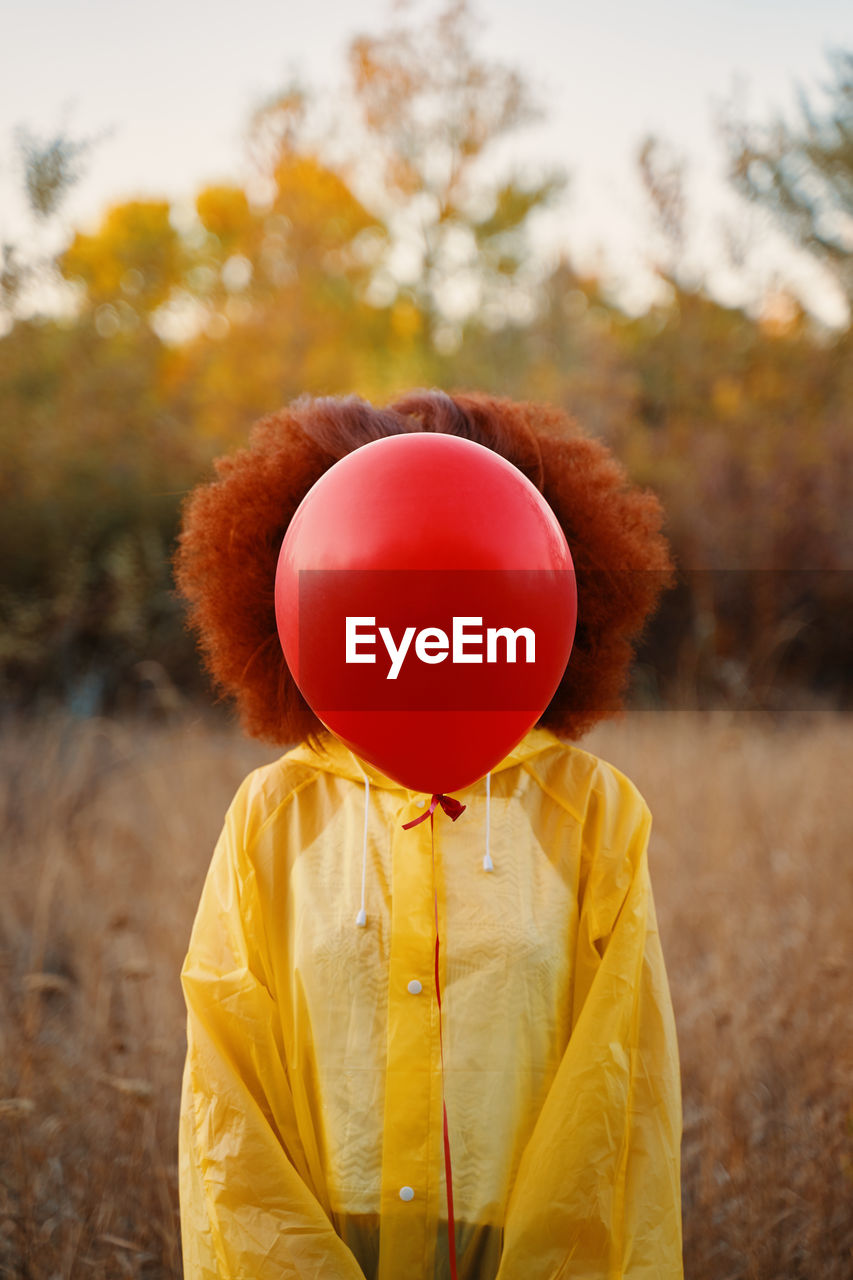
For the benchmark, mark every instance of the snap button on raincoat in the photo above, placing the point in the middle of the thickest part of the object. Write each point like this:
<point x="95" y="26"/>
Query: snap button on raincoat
<point x="311" y="1118"/>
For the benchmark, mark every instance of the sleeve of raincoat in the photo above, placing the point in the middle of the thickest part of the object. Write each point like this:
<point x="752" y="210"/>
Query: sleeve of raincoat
<point x="597" y="1194"/>
<point x="248" y="1208"/>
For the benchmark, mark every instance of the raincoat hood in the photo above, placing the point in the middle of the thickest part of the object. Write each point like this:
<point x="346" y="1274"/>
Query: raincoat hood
<point x="333" y="756"/>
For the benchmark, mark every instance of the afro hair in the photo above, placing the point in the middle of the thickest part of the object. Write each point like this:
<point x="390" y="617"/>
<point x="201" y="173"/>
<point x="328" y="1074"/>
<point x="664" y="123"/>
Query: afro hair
<point x="233" y="528"/>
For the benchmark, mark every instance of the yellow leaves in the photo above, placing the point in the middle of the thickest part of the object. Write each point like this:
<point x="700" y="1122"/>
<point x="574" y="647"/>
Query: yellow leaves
<point x="318" y="203"/>
<point x="406" y="320"/>
<point x="386" y="73"/>
<point x="363" y="64"/>
<point x="225" y="212"/>
<point x="135" y="254"/>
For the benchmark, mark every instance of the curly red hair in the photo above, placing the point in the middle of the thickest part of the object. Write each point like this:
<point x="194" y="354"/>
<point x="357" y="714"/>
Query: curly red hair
<point x="233" y="528"/>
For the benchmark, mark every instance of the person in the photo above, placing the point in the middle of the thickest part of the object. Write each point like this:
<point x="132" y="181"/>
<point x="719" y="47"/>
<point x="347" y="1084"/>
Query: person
<point x="311" y="1134"/>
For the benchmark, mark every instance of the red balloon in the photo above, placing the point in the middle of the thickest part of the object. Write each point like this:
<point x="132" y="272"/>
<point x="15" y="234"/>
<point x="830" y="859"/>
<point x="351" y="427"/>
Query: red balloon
<point x="426" y="604"/>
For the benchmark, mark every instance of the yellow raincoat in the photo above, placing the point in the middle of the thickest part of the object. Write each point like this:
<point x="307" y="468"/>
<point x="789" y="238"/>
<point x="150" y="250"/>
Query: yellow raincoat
<point x="311" y="1120"/>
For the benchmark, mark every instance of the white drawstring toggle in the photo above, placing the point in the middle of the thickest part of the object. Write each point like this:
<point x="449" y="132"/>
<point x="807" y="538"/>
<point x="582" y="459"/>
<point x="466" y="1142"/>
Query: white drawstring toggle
<point x="488" y="865"/>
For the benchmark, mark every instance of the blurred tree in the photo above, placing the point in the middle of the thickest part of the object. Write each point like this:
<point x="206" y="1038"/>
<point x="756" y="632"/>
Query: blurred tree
<point x="803" y="173"/>
<point x="51" y="167"/>
<point x="736" y="423"/>
<point x="742" y="426"/>
<point x="13" y="275"/>
<point x="282" y="287"/>
<point x="86" y="438"/>
<point x="434" y="109"/>
<point x="93" y="466"/>
<point x="188" y="327"/>
<point x="663" y="177"/>
<point x="134" y="260"/>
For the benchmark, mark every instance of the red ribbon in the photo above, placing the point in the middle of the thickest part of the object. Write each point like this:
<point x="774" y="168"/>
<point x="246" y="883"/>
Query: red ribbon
<point x="451" y="807"/>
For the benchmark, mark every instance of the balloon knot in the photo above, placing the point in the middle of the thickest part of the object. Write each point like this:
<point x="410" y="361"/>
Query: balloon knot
<point x="453" y="808"/>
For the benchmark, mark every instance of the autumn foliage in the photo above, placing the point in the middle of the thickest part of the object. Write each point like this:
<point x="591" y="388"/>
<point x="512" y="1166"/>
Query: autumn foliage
<point x="405" y="262"/>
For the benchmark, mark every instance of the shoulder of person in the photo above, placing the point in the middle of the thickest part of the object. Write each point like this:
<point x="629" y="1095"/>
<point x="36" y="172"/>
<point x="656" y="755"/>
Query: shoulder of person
<point x="587" y="785"/>
<point x="265" y="792"/>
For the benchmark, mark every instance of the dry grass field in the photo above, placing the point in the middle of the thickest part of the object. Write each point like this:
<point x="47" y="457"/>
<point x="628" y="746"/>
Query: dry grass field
<point x="107" y="831"/>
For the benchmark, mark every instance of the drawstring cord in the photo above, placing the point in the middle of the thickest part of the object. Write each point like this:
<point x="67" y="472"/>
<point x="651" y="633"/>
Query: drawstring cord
<point x="488" y="865"/>
<point x="450" y="806"/>
<point x="361" y="918"/>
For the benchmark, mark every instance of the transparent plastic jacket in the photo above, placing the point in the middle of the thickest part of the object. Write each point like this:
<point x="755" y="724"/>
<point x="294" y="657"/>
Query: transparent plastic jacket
<point x="313" y="1086"/>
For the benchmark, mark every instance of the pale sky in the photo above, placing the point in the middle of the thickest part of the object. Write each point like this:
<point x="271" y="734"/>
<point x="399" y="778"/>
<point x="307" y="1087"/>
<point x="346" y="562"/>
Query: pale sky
<point x="169" y="87"/>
